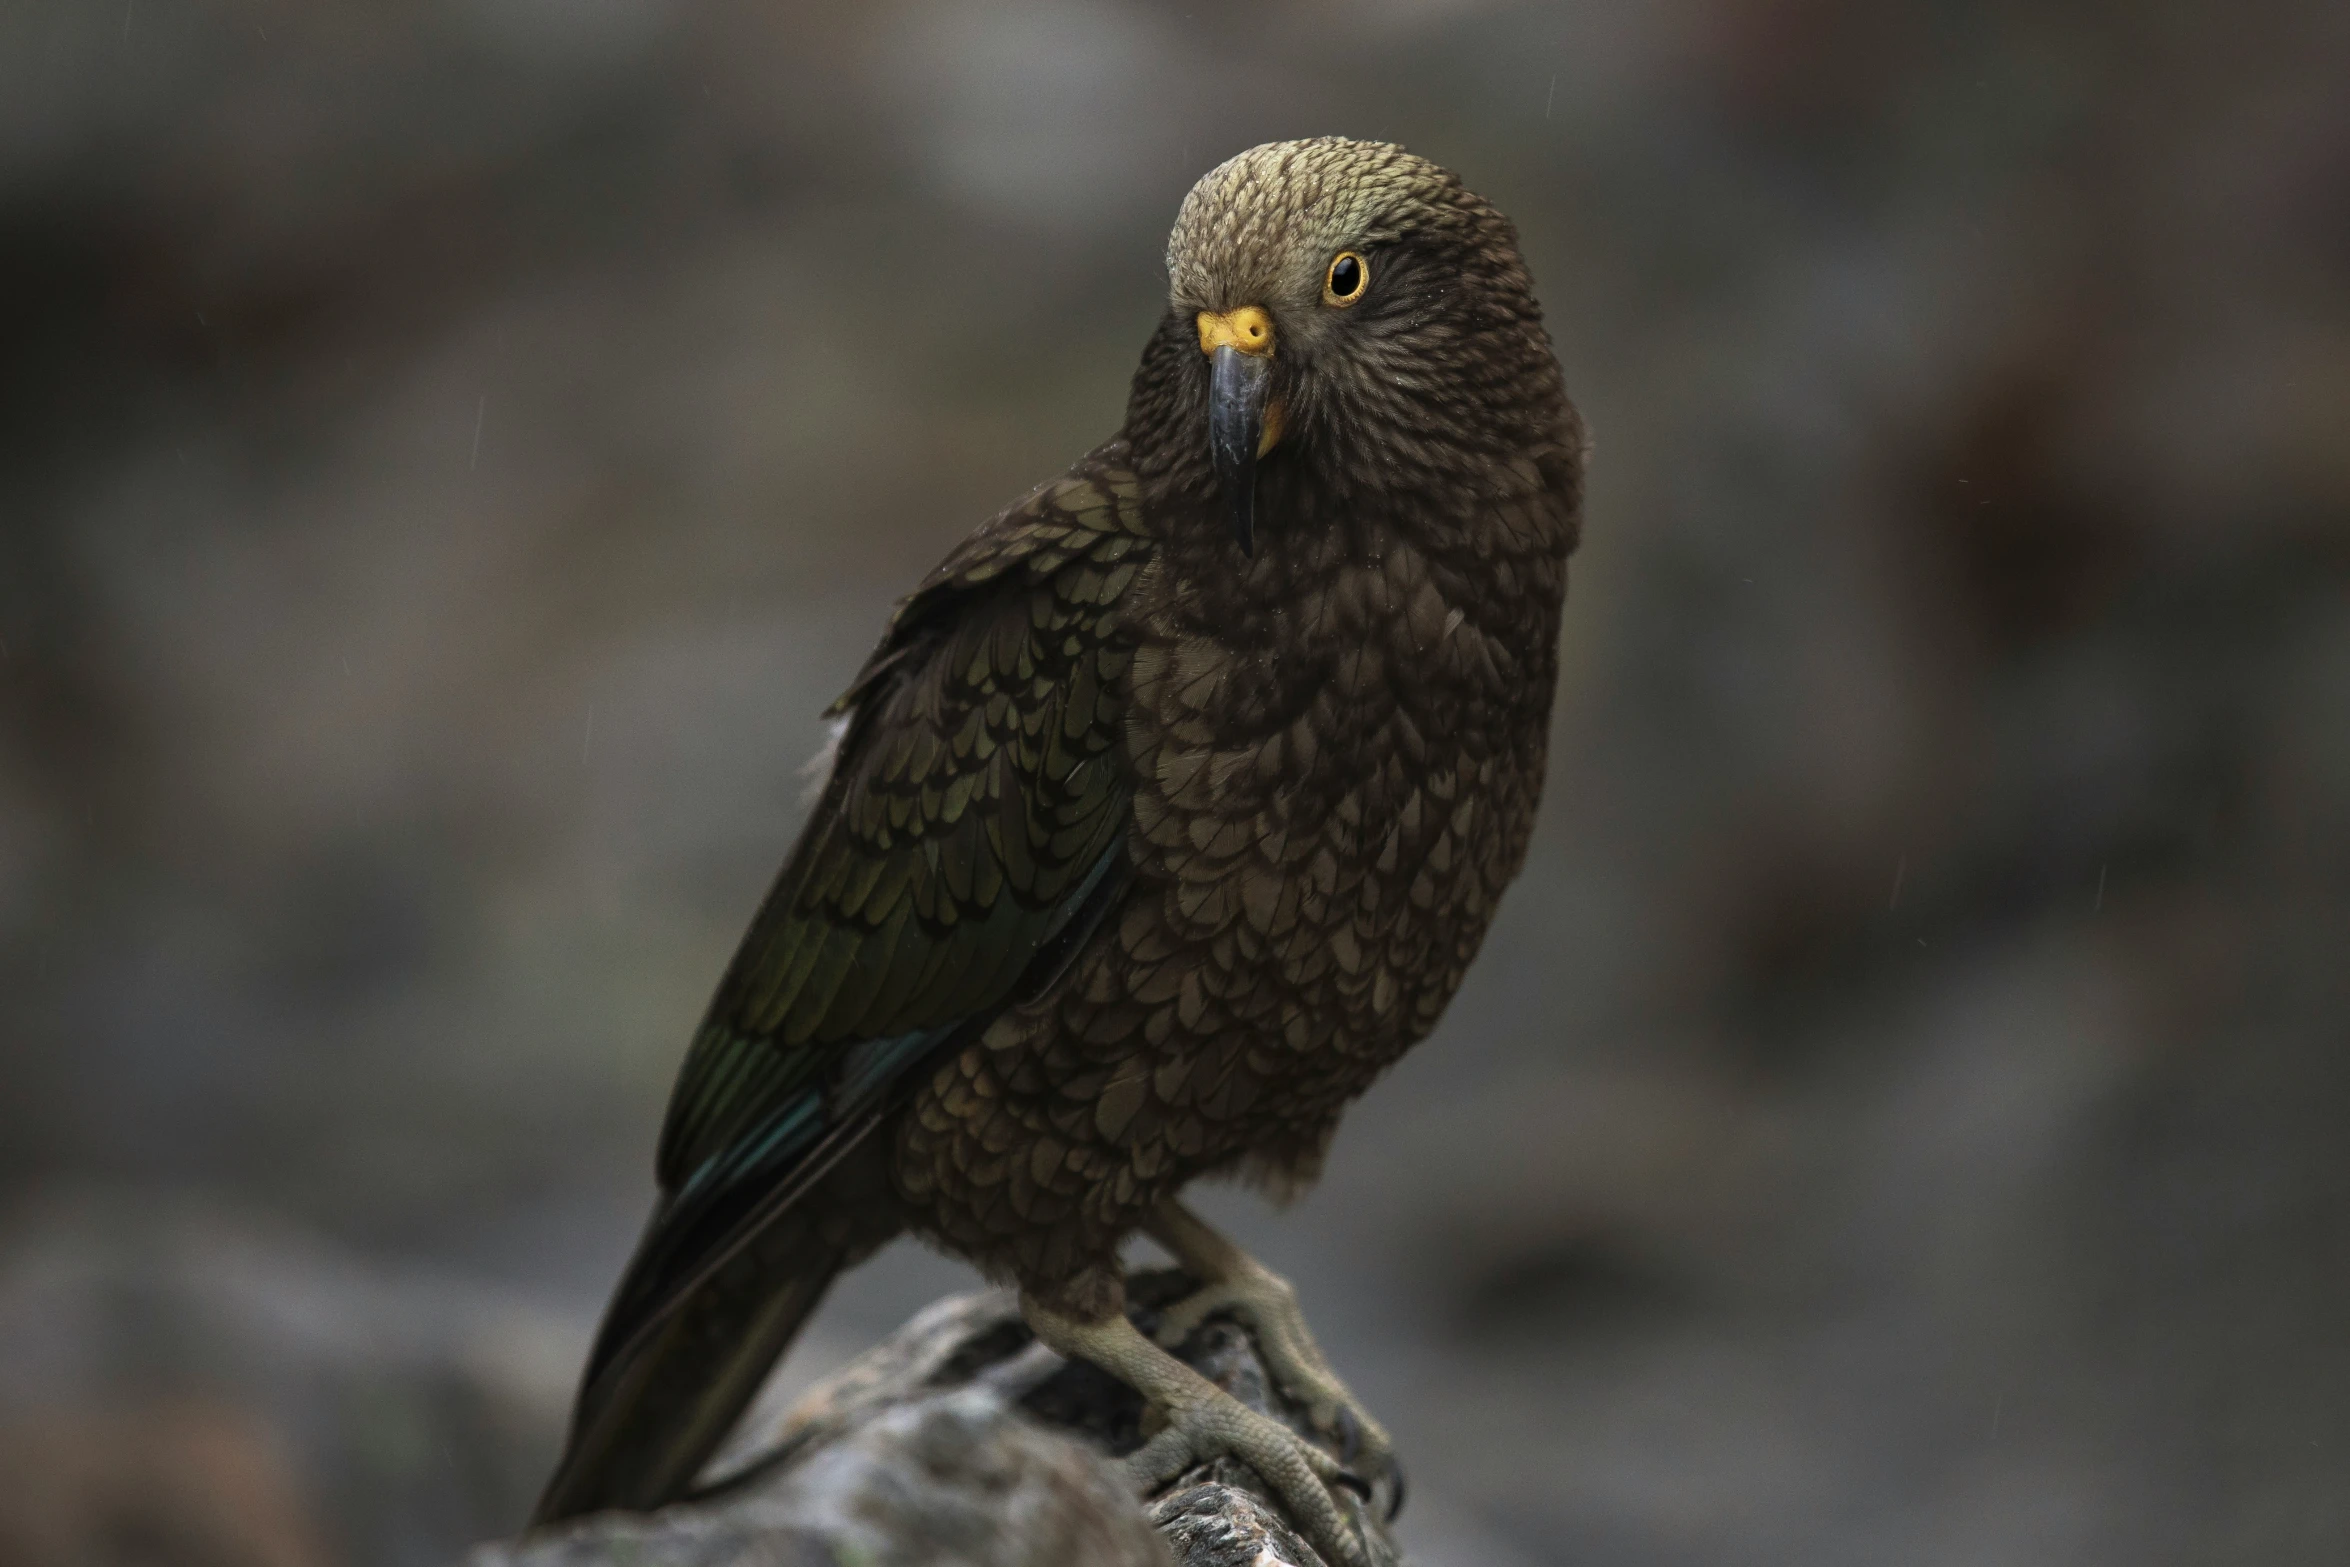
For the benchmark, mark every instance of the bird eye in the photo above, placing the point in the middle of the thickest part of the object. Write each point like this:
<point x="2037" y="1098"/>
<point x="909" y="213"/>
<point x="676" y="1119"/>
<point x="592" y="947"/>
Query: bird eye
<point x="1349" y="276"/>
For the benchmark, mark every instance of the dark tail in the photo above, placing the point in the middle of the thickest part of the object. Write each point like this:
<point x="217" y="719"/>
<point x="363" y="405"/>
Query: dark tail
<point x="651" y="1416"/>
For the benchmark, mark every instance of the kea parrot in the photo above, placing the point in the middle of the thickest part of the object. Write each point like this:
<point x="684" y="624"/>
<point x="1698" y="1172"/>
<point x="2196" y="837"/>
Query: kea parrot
<point x="1167" y="815"/>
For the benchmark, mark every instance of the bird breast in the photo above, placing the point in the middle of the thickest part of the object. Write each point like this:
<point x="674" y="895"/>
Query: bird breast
<point x="1334" y="783"/>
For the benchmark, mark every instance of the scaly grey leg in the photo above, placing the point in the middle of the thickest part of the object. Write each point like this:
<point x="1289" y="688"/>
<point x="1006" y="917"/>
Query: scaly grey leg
<point x="1234" y="1281"/>
<point x="1205" y="1422"/>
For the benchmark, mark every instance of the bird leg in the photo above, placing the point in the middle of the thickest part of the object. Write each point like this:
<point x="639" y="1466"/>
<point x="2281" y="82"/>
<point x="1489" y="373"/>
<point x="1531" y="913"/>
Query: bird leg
<point x="1204" y="1423"/>
<point x="1236" y="1282"/>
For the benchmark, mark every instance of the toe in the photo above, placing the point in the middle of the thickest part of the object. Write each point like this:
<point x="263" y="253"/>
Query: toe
<point x="1160" y="1460"/>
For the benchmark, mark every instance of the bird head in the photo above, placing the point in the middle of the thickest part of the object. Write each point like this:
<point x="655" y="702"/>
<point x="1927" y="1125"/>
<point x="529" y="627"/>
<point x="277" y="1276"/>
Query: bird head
<point x="1350" y="308"/>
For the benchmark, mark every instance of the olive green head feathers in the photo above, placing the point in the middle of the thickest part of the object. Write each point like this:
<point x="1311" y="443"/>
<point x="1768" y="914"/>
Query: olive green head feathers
<point x="1349" y="311"/>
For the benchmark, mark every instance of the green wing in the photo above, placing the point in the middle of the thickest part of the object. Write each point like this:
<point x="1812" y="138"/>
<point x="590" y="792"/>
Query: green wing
<point x="971" y="834"/>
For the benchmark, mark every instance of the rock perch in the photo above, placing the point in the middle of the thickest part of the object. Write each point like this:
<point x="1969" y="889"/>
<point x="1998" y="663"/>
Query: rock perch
<point x="962" y="1440"/>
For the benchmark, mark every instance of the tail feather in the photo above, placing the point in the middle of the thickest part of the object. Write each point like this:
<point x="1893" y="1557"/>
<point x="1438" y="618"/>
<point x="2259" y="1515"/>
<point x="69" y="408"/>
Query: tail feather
<point x="648" y="1422"/>
<point x="663" y="1390"/>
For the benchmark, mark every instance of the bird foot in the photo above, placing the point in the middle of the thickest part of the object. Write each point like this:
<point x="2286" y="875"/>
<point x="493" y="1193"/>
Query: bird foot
<point x="1204" y="1423"/>
<point x="1266" y="1304"/>
<point x="1299" y="1472"/>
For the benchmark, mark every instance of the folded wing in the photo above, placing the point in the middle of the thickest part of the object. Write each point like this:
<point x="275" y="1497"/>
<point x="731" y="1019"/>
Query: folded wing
<point x="971" y="835"/>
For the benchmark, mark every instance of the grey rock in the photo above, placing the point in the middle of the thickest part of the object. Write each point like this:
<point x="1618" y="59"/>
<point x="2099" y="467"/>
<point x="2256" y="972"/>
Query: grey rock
<point x="961" y="1440"/>
<point x="955" y="1478"/>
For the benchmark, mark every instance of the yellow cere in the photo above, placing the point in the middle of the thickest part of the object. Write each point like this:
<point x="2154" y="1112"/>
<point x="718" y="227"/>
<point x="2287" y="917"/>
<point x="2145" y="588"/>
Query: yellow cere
<point x="1249" y="329"/>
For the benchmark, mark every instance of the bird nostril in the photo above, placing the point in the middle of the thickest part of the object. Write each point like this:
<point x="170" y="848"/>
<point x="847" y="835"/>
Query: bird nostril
<point x="1248" y="329"/>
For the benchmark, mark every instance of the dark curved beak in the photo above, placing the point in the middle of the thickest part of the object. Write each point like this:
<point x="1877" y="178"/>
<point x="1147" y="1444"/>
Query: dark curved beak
<point x="1237" y="387"/>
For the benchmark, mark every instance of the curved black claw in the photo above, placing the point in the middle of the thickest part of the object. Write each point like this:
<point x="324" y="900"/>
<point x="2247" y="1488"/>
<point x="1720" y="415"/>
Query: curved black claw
<point x="1350" y="1447"/>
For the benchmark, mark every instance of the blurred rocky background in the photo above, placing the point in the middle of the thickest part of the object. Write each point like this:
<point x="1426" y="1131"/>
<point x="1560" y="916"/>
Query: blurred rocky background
<point x="449" y="454"/>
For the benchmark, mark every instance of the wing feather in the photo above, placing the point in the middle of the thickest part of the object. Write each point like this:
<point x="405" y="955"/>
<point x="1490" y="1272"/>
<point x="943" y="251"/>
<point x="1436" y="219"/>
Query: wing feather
<point x="971" y="831"/>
